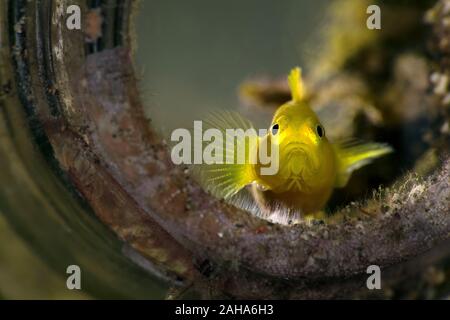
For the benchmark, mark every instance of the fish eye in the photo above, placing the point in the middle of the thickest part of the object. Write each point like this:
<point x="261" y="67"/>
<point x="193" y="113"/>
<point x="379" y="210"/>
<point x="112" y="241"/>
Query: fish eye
<point x="275" y="129"/>
<point x="320" y="131"/>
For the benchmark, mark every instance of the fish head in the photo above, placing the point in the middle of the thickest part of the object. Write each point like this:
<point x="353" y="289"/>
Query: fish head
<point x="302" y="146"/>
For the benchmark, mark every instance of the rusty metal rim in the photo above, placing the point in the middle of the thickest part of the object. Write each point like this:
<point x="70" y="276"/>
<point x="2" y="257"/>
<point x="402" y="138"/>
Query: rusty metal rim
<point x="52" y="190"/>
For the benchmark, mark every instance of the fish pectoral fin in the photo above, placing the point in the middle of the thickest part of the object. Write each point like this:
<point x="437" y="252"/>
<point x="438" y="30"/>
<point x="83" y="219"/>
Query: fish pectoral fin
<point x="227" y="177"/>
<point x="225" y="181"/>
<point x="352" y="155"/>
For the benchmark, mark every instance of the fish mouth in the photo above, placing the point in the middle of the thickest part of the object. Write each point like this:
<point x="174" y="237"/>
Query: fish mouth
<point x="299" y="165"/>
<point x="297" y="162"/>
<point x="295" y="158"/>
<point x="296" y="151"/>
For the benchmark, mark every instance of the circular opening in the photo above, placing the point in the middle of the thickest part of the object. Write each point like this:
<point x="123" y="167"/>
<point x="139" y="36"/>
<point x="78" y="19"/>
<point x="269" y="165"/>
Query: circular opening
<point x="198" y="57"/>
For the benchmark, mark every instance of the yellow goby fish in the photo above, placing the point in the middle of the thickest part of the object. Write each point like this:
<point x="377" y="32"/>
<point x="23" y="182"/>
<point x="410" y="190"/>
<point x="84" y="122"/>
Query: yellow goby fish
<point x="309" y="165"/>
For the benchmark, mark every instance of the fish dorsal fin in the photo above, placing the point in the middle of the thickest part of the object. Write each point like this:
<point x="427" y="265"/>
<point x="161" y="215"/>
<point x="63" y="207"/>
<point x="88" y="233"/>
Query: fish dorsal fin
<point x="226" y="119"/>
<point x="296" y="84"/>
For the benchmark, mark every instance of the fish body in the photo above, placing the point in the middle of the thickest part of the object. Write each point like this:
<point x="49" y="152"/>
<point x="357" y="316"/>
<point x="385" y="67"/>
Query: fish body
<point x="309" y="166"/>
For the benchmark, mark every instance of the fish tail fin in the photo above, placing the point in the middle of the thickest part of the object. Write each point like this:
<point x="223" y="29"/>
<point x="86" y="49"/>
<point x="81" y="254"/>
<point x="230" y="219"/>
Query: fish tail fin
<point x="352" y="155"/>
<point x="226" y="178"/>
